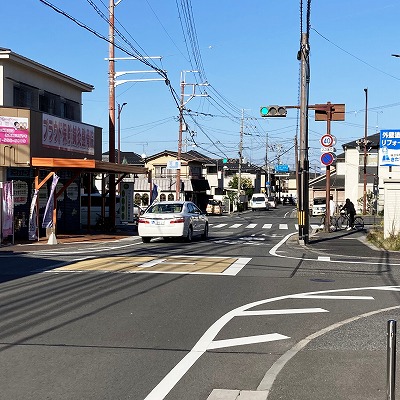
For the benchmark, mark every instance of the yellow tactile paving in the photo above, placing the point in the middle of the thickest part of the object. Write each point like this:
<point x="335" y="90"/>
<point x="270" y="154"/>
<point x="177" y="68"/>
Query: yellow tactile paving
<point x="153" y="264"/>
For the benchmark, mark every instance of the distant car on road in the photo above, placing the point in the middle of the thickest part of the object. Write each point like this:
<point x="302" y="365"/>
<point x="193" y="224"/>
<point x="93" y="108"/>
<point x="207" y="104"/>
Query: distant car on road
<point x="173" y="219"/>
<point x="288" y="201"/>
<point x="272" y="201"/>
<point x="319" y="206"/>
<point x="259" y="202"/>
<point x="214" y="207"/>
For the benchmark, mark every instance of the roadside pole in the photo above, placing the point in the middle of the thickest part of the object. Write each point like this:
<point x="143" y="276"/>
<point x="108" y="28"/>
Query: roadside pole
<point x="303" y="169"/>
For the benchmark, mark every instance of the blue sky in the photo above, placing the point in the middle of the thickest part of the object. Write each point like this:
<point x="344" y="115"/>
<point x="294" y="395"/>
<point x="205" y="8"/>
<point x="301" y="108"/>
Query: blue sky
<point x="248" y="53"/>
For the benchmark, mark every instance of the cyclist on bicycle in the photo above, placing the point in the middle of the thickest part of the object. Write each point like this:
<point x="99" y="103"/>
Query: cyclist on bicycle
<point x="350" y="211"/>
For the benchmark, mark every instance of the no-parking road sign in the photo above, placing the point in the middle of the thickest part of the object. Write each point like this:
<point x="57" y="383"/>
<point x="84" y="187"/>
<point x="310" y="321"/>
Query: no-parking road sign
<point x="327" y="158"/>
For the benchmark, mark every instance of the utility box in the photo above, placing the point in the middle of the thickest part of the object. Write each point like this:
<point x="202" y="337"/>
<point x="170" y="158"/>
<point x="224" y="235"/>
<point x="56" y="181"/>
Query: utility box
<point x="391" y="221"/>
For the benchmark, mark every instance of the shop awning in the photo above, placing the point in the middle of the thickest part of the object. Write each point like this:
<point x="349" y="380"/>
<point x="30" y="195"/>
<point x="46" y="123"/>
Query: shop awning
<point x="85" y="165"/>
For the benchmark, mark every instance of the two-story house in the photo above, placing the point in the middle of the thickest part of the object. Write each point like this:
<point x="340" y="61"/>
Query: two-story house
<point x="42" y="134"/>
<point x="162" y="173"/>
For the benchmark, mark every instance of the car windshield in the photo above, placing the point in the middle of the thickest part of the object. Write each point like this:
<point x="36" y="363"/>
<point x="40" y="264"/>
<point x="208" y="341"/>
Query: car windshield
<point x="259" y="199"/>
<point x="165" y="208"/>
<point x="319" y="201"/>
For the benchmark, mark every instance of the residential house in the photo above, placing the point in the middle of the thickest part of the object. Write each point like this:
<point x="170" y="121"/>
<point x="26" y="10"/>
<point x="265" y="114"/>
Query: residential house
<point x="162" y="173"/>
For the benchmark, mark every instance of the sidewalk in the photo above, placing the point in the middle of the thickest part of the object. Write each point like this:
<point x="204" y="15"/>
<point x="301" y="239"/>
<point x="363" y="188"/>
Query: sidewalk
<point x="121" y="231"/>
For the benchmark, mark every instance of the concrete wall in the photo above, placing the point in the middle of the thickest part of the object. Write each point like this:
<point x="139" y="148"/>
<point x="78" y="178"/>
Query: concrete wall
<point x="391" y="219"/>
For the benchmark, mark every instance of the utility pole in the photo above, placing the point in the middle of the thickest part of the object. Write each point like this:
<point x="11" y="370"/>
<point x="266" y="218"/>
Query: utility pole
<point x="303" y="169"/>
<point x="267" y="182"/>
<point x="240" y="159"/>
<point x="111" y="118"/>
<point x="296" y="156"/>
<point x="178" y="171"/>
<point x="181" y="121"/>
<point x="365" y="153"/>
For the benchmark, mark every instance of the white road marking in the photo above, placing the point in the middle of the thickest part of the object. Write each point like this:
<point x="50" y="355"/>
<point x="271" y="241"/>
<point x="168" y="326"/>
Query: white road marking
<point x="236" y="226"/>
<point x="219" y="225"/>
<point x="204" y="343"/>
<point x="267" y="226"/>
<point x="329" y="297"/>
<point x="236" y="267"/>
<point x="284" y="311"/>
<point x="324" y="258"/>
<point x="274" y="253"/>
<point x="152" y="263"/>
<point x="272" y="373"/>
<point x="85" y="249"/>
<point x="270" y="337"/>
<point x="251" y="226"/>
<point x="283" y="226"/>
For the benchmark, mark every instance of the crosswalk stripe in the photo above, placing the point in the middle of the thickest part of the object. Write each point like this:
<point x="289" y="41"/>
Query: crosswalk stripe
<point x="264" y="226"/>
<point x="219" y="225"/>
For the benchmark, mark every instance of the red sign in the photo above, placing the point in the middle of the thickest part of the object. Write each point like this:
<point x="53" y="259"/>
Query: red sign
<point x="327" y="140"/>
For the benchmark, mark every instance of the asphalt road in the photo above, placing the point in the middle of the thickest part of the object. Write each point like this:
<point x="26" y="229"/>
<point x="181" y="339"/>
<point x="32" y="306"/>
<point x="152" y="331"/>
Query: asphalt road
<point x="248" y="312"/>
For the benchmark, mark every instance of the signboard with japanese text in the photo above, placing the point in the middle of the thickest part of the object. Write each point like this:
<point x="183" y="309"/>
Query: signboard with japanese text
<point x="389" y="147"/>
<point x="14" y="131"/>
<point x="62" y="134"/>
<point x="173" y="164"/>
<point x="282" y="168"/>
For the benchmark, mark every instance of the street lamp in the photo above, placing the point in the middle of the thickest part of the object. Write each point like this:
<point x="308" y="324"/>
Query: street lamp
<point x="120" y="107"/>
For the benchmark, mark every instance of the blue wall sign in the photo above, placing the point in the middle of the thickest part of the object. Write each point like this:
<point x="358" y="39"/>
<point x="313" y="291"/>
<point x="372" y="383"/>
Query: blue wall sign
<point x="282" y="168"/>
<point x="389" y="147"/>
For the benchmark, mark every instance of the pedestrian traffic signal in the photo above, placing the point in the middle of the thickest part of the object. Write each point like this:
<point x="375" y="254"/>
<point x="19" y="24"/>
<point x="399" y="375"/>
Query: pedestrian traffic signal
<point x="273" y="111"/>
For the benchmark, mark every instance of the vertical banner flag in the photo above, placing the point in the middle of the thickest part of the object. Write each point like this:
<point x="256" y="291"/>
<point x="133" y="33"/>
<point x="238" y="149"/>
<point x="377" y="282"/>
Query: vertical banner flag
<point x="8" y="209"/>
<point x="48" y="212"/>
<point x="154" y="193"/>
<point x="32" y="218"/>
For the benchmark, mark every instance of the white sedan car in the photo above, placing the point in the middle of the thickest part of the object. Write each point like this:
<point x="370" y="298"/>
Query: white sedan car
<point x="173" y="219"/>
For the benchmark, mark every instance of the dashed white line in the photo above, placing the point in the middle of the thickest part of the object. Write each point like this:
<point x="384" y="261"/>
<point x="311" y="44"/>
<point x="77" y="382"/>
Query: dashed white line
<point x="251" y="226"/>
<point x="234" y="226"/>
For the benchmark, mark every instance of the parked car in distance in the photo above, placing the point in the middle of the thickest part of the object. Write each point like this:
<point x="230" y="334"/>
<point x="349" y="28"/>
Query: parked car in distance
<point x="173" y="219"/>
<point x="96" y="205"/>
<point x="214" y="207"/>
<point x="259" y="202"/>
<point x="319" y="206"/>
<point x="288" y="201"/>
<point x="272" y="201"/>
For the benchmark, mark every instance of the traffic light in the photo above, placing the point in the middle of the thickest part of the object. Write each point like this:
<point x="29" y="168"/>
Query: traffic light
<point x="273" y="111"/>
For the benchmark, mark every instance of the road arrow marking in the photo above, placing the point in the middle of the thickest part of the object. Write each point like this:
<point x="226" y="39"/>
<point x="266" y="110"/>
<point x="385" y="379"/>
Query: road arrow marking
<point x="284" y="311"/>
<point x="270" y="337"/>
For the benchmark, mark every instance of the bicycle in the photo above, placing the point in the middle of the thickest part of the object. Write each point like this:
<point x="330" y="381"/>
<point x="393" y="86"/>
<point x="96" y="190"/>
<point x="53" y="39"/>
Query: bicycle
<point x="103" y="224"/>
<point x="333" y="226"/>
<point x="343" y="222"/>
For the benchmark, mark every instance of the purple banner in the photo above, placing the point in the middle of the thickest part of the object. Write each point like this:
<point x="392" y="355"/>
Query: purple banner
<point x="32" y="218"/>
<point x="48" y="212"/>
<point x="8" y="209"/>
